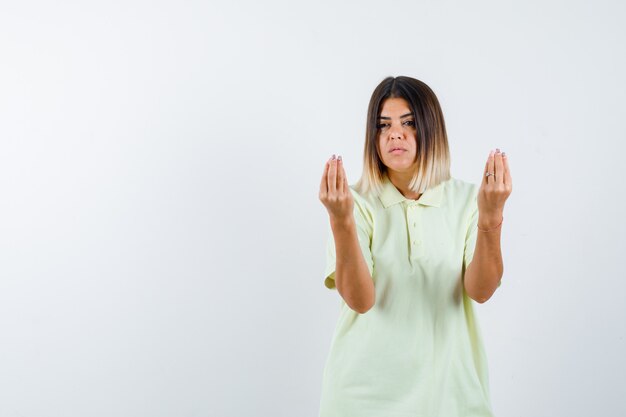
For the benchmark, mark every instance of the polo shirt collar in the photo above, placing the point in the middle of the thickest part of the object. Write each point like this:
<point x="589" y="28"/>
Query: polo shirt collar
<point x="390" y="195"/>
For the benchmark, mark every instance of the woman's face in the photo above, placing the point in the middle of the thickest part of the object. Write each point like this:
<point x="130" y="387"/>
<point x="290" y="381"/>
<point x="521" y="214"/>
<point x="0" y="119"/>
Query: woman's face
<point x="397" y="136"/>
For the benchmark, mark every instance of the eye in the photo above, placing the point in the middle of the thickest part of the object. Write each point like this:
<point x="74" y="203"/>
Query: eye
<point x="410" y="123"/>
<point x="382" y="125"/>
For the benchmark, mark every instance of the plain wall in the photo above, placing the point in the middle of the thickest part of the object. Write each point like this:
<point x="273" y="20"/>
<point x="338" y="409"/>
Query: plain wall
<point x="161" y="238"/>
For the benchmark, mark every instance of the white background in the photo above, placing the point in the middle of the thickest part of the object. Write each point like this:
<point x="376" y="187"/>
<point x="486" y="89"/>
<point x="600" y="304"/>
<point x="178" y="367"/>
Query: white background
<point x="161" y="238"/>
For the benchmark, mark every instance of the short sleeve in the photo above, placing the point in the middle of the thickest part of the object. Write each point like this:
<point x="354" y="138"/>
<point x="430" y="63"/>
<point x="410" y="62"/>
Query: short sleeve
<point x="364" y="229"/>
<point x="472" y="232"/>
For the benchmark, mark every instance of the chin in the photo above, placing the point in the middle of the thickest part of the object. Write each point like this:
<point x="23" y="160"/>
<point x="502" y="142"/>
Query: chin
<point x="403" y="168"/>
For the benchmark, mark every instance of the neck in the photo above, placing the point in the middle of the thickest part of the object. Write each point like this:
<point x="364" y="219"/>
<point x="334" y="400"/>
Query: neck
<point x="401" y="181"/>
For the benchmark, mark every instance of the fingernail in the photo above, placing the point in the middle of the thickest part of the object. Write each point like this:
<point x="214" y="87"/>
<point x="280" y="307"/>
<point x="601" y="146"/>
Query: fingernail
<point x="497" y="150"/>
<point x="491" y="153"/>
<point x="339" y="157"/>
<point x="333" y="158"/>
<point x="503" y="153"/>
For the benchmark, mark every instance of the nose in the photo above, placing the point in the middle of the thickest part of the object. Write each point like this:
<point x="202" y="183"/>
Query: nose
<point x="395" y="133"/>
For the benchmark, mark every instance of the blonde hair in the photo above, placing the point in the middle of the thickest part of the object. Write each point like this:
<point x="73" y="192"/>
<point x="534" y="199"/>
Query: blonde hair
<point x="433" y="153"/>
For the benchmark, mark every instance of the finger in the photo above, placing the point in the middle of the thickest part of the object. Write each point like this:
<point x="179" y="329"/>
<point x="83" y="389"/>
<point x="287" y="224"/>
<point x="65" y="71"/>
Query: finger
<point x="484" y="181"/>
<point x="332" y="176"/>
<point x="507" y="171"/>
<point x="340" y="175"/>
<point x="499" y="167"/>
<point x="490" y="167"/>
<point x="324" y="183"/>
<point x="346" y="186"/>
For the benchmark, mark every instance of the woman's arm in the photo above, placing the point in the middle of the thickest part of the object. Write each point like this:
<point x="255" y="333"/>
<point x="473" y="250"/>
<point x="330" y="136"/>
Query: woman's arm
<point x="352" y="277"/>
<point x="486" y="268"/>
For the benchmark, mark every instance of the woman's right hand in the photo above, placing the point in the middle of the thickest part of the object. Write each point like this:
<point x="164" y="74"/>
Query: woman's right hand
<point x="335" y="193"/>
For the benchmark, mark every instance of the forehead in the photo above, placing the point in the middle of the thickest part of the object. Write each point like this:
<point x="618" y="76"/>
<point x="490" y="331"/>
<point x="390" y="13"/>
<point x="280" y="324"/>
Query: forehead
<point x="394" y="107"/>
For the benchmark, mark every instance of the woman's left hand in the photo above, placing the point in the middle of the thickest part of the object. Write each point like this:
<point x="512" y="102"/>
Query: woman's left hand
<point x="494" y="190"/>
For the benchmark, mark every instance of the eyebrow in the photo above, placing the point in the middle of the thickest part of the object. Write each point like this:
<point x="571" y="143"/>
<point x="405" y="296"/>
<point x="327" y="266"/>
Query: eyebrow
<point x="389" y="118"/>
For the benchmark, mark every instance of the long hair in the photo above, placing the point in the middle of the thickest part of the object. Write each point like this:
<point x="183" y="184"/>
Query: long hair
<point x="433" y="153"/>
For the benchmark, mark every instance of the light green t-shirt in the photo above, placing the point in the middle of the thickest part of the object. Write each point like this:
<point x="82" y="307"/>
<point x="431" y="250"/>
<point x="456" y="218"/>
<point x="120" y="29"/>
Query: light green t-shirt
<point x="418" y="351"/>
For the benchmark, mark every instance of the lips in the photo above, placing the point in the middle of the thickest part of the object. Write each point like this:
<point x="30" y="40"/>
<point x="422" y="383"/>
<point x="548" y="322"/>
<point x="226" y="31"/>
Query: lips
<point x="397" y="150"/>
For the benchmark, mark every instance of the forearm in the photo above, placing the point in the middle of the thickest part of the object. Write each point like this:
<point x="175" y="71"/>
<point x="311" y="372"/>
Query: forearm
<point x="484" y="272"/>
<point x="352" y="277"/>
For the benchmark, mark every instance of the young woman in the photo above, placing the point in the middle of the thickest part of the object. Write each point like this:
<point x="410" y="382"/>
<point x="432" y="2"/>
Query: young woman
<point x="410" y="248"/>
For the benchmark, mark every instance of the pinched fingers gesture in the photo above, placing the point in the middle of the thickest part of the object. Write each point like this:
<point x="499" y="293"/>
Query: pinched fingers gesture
<point x="335" y="193"/>
<point x="495" y="188"/>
